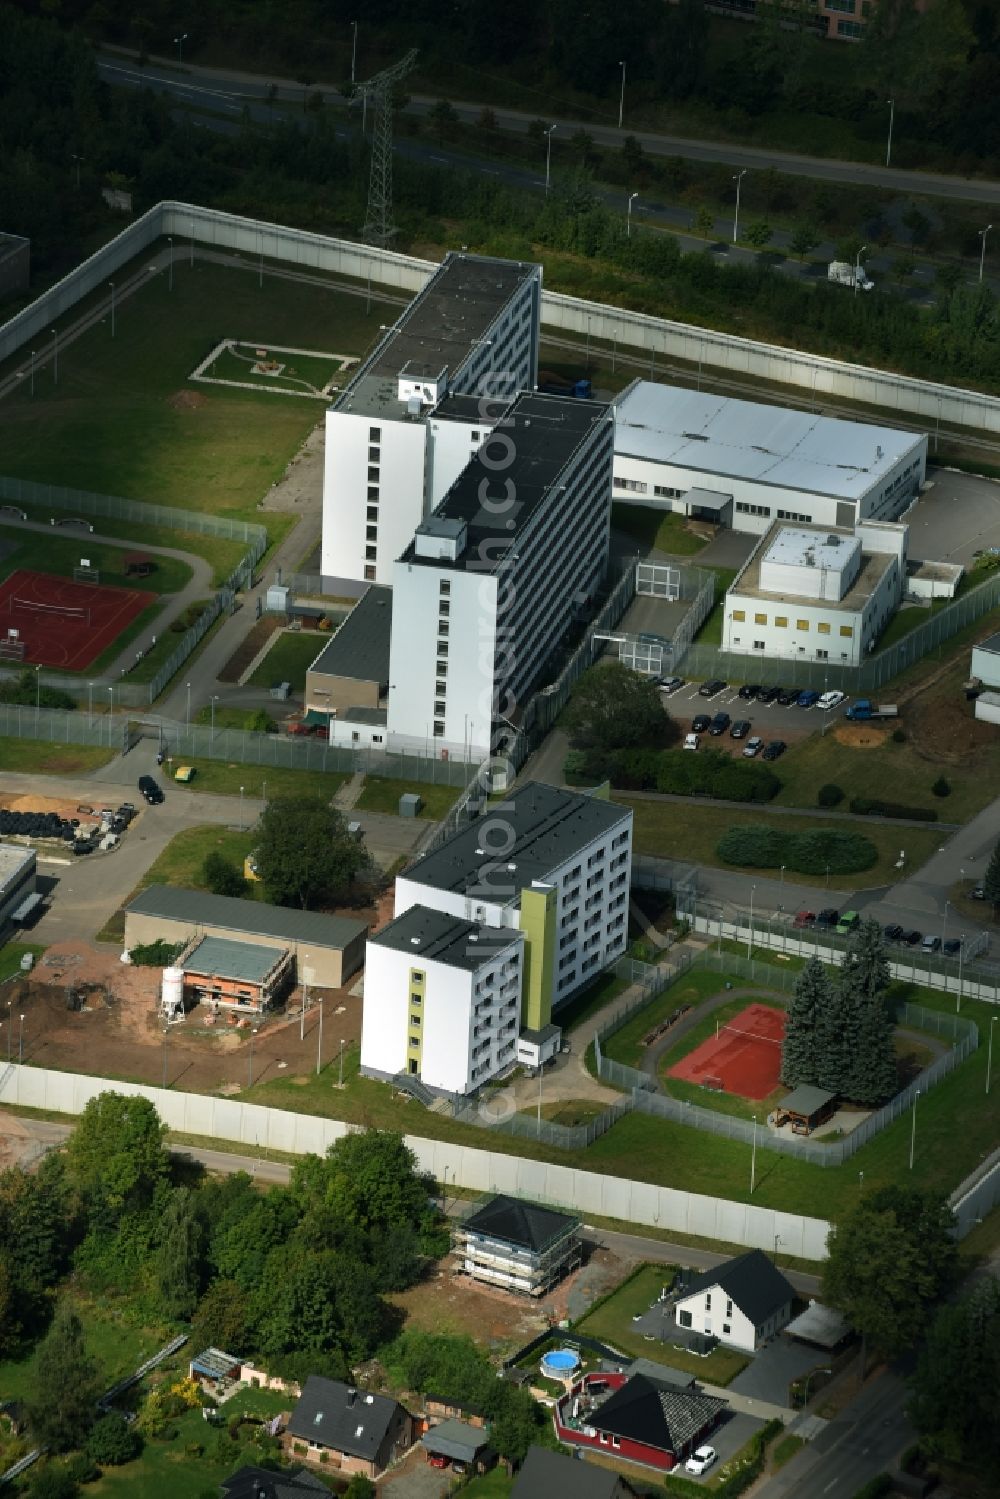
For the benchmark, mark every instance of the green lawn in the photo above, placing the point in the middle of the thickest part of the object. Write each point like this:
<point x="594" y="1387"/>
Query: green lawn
<point x="691" y="830"/>
<point x="114" y="1339"/>
<point x="58" y="553"/>
<point x="383" y="796"/>
<point x="591" y="999"/>
<point x="495" y="1485"/>
<point x="225" y="778"/>
<point x="193" y="1462"/>
<point x="626" y="1044"/>
<point x="300" y="371"/>
<point x="612" y="1323"/>
<point x="665" y="530"/>
<point x="181" y="863"/>
<point x="225" y="718"/>
<point x="292" y="653"/>
<point x="222" y="554"/>
<point x="711" y="631"/>
<point x="124" y="418"/>
<point x="11" y="954"/>
<point x="46" y="757"/>
<point x="785" y="1449"/>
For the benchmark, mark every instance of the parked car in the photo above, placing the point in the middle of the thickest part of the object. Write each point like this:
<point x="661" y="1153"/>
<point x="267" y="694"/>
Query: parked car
<point x="753" y="746"/>
<point x="700" y="1460"/>
<point x="893" y="932"/>
<point x="952" y="947"/>
<point x="740" y="728"/>
<point x="712" y="688"/>
<point x="749" y="691"/>
<point x="829" y="916"/>
<point x="671" y="684"/>
<point x="807" y="699"/>
<point x="436" y="1460"/>
<point x="930" y="944"/>
<point x="690" y="741"/>
<point x="787" y="696"/>
<point x="847" y="923"/>
<point x="977" y="893"/>
<point x="720" y="723"/>
<point x="913" y="938"/>
<point x="700" y="723"/>
<point x="804" y="919"/>
<point x="830" y="700"/>
<point x="775" y="748"/>
<point x="151" y="790"/>
<point x="769" y="694"/>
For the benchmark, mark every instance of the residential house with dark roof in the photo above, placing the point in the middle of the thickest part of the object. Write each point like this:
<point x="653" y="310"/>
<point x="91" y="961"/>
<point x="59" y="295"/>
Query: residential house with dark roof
<point x="251" y="1482"/>
<point x="519" y="1246"/>
<point x="346" y="1429"/>
<point x="637" y="1418"/>
<point x="548" y="1475"/>
<point x="742" y="1303"/>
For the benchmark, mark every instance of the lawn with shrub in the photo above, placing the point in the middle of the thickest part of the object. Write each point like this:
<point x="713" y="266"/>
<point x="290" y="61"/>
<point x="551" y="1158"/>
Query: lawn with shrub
<point x="626" y="1045"/>
<point x="814" y="851"/>
<point x="666" y="531"/>
<point x="674" y="772"/>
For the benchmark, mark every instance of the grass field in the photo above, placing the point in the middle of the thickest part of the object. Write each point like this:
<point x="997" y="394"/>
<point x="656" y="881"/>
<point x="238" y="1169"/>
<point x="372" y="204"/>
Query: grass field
<point x="181" y="863"/>
<point x="691" y="831"/>
<point x="666" y="531"/>
<point x="221" y="777"/>
<point x="495" y="1485"/>
<point x="124" y="419"/>
<point x="11" y="954"/>
<point x="626" y="1044"/>
<point x="612" y="1323"/>
<point x="113" y="1338"/>
<point x="711" y="631"/>
<point x="57" y="553"/>
<point x="45" y="757"/>
<point x="301" y="373"/>
<point x="383" y="796"/>
<point x="288" y="660"/>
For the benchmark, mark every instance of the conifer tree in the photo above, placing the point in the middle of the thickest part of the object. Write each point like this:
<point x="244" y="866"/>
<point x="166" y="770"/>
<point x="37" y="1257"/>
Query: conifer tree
<point x="873" y="1078"/>
<point x="810" y="997"/>
<point x="866" y="961"/>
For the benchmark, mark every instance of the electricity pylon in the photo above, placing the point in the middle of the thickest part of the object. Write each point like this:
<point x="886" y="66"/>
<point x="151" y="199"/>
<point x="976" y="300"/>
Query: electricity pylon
<point x="379" y="227"/>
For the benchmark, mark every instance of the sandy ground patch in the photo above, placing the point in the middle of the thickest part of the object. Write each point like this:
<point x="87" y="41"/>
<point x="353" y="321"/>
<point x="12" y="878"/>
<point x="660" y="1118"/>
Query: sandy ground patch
<point x="860" y="735"/>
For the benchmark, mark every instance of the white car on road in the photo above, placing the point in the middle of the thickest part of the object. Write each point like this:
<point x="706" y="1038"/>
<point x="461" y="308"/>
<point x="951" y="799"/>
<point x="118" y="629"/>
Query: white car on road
<point x="700" y="1460"/>
<point x="691" y="741"/>
<point x="830" y="700"/>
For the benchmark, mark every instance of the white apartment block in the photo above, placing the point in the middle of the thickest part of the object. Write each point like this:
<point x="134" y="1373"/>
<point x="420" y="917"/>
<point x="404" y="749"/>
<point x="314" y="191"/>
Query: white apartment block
<point x="442" y="1000"/>
<point x="492" y="580"/>
<point x="813" y="593"/>
<point x="419" y="405"/>
<point x="746" y="465"/>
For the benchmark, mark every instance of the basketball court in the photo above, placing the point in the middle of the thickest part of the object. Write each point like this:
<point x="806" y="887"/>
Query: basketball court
<point x="47" y="621"/>
<point x="744" y="1056"/>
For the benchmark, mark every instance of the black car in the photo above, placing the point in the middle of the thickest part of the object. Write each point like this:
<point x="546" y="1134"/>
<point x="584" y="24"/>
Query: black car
<point x="711" y="689"/>
<point x="767" y="694"/>
<point x="749" y="691"/>
<point x="952" y="947"/>
<point x="913" y="939"/>
<point x="893" y="932"/>
<point x="787" y="696"/>
<point x="740" y="728"/>
<point x="700" y="723"/>
<point x="720" y="723"/>
<point x="774" y="749"/>
<point x="828" y="917"/>
<point x="151" y="790"/>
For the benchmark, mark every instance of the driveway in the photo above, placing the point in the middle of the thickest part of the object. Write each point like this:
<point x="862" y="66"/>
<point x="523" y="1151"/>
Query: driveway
<point x="734" y="1432"/>
<point x="771" y="1371"/>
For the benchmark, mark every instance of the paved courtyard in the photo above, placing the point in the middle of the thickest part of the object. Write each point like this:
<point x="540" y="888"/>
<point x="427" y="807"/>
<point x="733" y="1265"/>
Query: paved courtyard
<point x="772" y="1370"/>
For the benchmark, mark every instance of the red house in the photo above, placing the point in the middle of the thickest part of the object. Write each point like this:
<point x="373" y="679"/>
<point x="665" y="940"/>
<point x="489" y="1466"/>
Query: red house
<point x="641" y="1419"/>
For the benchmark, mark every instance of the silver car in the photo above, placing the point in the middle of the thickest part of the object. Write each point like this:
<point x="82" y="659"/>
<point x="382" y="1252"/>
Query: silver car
<point x="753" y="746"/>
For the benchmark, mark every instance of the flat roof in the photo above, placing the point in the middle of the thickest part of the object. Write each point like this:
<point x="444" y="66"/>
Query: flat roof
<point x="806" y="1099"/>
<point x="360" y="648"/>
<point x="13" y="861"/>
<point x="793" y="546"/>
<point x="991" y="643"/>
<point x="456" y="1439"/>
<point x="750" y="440"/>
<point x="874" y="566"/>
<point x="543" y="826"/>
<point x="439" y="329"/>
<point x="526" y="453"/>
<point x="364" y="715"/>
<point x="220" y="957"/>
<point x="463" y="408"/>
<point x="819" y="1324"/>
<point x="197" y="908"/>
<point x="434" y="936"/>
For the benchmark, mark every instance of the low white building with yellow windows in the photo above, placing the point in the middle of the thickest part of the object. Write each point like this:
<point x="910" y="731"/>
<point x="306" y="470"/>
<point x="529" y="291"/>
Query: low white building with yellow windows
<point x="817" y="593"/>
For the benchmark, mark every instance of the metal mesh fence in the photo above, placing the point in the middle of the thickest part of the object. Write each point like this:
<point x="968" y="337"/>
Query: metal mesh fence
<point x="549" y="703"/>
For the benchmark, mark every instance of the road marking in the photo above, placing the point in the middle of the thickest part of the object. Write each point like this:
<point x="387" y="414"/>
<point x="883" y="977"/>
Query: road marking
<point x="831" y="1485"/>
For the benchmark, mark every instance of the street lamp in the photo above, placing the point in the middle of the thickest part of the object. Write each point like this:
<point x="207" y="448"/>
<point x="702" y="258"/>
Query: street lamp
<point x="305" y="997"/>
<point x="241" y="809"/>
<point x="750" y="935"/>
<point x="111" y="710"/>
<point x="187" y="720"/>
<point x="892" y="114"/>
<point x="632" y="198"/>
<point x="782" y="874"/>
<point x="55" y="355"/>
<point x="10" y="1029"/>
<point x="32" y="372"/>
<point x="913" y="1128"/>
<point x="961" y="959"/>
<point x="341" y="1084"/>
<point x="166" y="1032"/>
<point x="213" y="700"/>
<point x="179" y="44"/>
<point x="253" y="1032"/>
<point x="857" y="267"/>
<point x="621" y="101"/>
<point x="38" y="693"/>
<point x="78" y="160"/>
<point x="112" y="286"/>
<point x="989" y="1054"/>
<point x="354" y="48"/>
<point x="944" y="923"/>
<point x="861" y="1181"/>
<point x="753" y="1158"/>
<point x="548" y="156"/>
<point x="20" y="1040"/>
<point x="738" y="179"/>
<point x="319" y="1039"/>
<point x="982" y="248"/>
<point x="170" y="264"/>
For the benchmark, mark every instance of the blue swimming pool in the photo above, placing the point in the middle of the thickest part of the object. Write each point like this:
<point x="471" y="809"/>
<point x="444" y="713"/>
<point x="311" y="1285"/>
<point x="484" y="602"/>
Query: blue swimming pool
<point x="560" y="1363"/>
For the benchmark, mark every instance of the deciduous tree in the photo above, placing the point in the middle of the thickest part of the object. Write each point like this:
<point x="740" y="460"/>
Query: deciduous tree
<point x="115" y="1157"/>
<point x="305" y="855"/>
<point x="955" y="1385"/>
<point x="63" y="1403"/>
<point x="178" y="1258"/>
<point x="613" y="707"/>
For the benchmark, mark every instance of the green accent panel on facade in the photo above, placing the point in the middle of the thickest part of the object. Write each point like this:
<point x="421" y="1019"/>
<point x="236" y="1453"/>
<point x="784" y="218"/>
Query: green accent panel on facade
<point x="538" y="923"/>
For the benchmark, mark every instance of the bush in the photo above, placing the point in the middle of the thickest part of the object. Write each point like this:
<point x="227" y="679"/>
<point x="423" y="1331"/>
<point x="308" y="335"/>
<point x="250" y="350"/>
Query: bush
<point x="867" y="806"/>
<point x="157" y="954"/>
<point x="756" y="846"/>
<point x="829" y="795"/>
<point x="29" y="692"/>
<point x="223" y="876"/>
<point x="941" y="787"/>
<point x="898" y="736"/>
<point x="715" y="774"/>
<point x="82" y="1469"/>
<point x="875" y="1487"/>
<point x="53" y="1483"/>
<point x="112" y="1441"/>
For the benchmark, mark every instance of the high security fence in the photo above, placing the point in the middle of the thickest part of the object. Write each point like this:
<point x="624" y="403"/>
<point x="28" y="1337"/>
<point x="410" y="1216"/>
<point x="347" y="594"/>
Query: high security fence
<point x="187" y="224"/>
<point x="547" y="704"/>
<point x="978" y="1195"/>
<point x="962" y="1034"/>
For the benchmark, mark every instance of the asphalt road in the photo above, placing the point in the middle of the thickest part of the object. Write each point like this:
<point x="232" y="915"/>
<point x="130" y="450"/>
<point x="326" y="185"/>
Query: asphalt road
<point x="865" y="1439"/>
<point x="229" y="90"/>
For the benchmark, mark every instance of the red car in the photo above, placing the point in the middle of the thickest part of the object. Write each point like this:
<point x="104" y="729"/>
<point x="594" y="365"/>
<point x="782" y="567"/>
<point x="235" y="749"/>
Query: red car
<point x="804" y="918"/>
<point x="435" y="1460"/>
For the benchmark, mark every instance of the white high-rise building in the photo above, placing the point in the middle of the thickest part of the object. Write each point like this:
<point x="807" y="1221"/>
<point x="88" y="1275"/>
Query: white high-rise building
<point x="418" y="407"/>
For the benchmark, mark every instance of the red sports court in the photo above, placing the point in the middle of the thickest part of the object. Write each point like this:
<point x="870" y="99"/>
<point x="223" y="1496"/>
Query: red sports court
<point x="744" y="1058"/>
<point x="63" y="623"/>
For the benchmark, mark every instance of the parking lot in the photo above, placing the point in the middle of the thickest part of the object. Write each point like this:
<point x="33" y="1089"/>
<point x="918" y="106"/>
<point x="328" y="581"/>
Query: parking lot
<point x="958" y="515"/>
<point x="769" y="720"/>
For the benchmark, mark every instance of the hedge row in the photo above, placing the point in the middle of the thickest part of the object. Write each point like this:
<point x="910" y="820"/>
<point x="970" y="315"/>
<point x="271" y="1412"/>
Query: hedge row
<point x="762" y="847"/>
<point x="871" y="807"/>
<point x="736" y="1483"/>
<point x="677" y="772"/>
